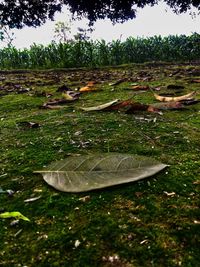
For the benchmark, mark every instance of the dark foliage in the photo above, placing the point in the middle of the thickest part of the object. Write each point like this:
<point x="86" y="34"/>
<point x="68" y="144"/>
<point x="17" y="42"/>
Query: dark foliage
<point x="18" y="13"/>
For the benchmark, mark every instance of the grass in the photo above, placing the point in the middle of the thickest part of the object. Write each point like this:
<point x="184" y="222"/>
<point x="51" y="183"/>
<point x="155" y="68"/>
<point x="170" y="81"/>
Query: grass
<point x="137" y="224"/>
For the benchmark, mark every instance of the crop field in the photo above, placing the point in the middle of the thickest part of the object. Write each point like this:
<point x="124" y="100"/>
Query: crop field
<point x="83" y="53"/>
<point x="151" y="222"/>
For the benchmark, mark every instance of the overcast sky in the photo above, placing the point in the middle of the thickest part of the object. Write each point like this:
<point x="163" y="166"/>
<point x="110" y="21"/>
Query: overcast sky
<point x="150" y="21"/>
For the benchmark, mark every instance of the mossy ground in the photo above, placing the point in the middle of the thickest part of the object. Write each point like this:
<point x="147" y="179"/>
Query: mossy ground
<point x="138" y="224"/>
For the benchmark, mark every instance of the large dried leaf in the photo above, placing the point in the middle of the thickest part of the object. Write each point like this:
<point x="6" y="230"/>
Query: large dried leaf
<point x="88" y="172"/>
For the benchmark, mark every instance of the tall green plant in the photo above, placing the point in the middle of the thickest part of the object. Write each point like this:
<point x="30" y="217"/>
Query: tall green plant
<point x="88" y="53"/>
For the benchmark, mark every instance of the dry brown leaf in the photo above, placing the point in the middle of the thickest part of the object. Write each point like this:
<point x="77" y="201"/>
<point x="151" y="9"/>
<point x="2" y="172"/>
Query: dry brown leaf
<point x="141" y="107"/>
<point x="121" y="105"/>
<point x="197" y="182"/>
<point x="89" y="87"/>
<point x="173" y="105"/>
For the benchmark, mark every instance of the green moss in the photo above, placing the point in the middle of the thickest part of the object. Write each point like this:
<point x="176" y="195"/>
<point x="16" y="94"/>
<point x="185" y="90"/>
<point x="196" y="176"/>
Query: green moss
<point x="138" y="222"/>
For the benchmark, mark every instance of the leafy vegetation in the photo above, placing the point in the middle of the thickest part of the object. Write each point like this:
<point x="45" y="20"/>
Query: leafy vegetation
<point x="17" y="14"/>
<point x="153" y="222"/>
<point x="85" y="53"/>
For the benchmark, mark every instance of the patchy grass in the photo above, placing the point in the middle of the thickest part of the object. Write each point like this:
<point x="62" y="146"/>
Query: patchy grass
<point x="138" y="224"/>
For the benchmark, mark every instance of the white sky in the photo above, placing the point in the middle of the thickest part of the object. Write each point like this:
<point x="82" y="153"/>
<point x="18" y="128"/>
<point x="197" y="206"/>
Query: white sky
<point x="150" y="21"/>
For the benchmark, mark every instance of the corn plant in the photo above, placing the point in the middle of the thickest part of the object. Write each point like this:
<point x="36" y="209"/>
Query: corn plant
<point x="88" y="53"/>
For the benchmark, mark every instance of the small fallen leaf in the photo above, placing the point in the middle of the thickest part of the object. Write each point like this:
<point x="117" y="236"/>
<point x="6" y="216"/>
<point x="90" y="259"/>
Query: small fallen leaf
<point x="139" y="87"/>
<point x="171" y="194"/>
<point x="13" y="214"/>
<point x="144" y="241"/>
<point x="18" y="232"/>
<point x="32" y="199"/>
<point x="101" y="107"/>
<point x="87" y="89"/>
<point x="71" y="95"/>
<point x="197" y="182"/>
<point x="77" y="243"/>
<point x="118" y="82"/>
<point x="84" y="199"/>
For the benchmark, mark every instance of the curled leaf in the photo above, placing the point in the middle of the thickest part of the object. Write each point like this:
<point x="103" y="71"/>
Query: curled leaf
<point x="88" y="172"/>
<point x="178" y="98"/>
<point x="101" y="107"/>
